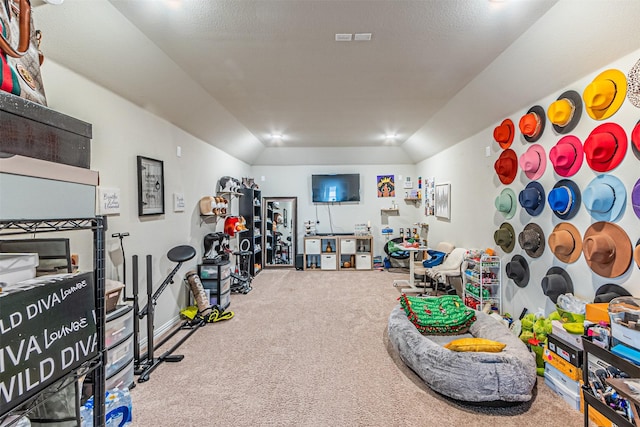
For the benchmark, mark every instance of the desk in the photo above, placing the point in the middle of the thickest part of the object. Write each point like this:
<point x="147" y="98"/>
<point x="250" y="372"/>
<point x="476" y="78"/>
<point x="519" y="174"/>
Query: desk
<point x="411" y="282"/>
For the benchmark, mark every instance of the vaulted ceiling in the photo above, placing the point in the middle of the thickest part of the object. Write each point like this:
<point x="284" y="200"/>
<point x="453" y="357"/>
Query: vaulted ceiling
<point x="235" y="72"/>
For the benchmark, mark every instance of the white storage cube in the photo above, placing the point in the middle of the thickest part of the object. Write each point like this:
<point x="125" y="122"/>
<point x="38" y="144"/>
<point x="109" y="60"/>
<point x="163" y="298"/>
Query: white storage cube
<point x="328" y="262"/>
<point x="363" y="262"/>
<point x="348" y="246"/>
<point x="312" y="246"/>
<point x="16" y="267"/>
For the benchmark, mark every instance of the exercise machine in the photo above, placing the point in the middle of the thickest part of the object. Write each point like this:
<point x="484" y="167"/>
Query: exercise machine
<point x="241" y="278"/>
<point x="145" y="365"/>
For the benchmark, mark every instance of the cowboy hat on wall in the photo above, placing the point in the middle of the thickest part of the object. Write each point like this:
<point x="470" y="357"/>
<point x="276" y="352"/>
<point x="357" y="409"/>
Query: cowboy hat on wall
<point x="605" y="94"/>
<point x="564" y="113"/>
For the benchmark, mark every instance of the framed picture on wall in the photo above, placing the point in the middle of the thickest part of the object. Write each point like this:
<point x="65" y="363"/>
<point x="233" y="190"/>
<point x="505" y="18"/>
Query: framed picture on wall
<point x="443" y="202"/>
<point x="150" y="186"/>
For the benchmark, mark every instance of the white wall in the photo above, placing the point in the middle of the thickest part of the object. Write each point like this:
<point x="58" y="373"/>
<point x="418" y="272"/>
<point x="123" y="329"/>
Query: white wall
<point x="122" y="131"/>
<point x="474" y="186"/>
<point x="295" y="181"/>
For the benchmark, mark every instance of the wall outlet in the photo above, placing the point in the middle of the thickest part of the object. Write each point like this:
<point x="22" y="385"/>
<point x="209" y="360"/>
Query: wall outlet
<point x="487" y="151"/>
<point x="179" y="151"/>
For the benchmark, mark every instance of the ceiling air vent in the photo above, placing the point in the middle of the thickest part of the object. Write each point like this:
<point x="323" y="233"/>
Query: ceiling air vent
<point x="362" y="37"/>
<point x="343" y="37"/>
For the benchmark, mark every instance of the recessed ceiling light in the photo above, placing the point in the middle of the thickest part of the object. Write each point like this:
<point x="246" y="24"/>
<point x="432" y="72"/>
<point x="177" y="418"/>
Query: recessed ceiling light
<point x="362" y="37"/>
<point x="343" y="37"/>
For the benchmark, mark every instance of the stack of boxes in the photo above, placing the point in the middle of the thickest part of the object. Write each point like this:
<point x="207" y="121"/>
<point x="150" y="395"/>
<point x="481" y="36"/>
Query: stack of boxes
<point x="564" y="357"/>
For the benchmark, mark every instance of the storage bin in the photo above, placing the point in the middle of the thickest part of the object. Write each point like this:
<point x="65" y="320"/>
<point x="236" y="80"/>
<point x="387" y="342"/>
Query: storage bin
<point x="122" y="378"/>
<point x="347" y="246"/>
<point x="16" y="267"/>
<point x="328" y="262"/>
<point x="112" y="291"/>
<point x="312" y="246"/>
<point x="119" y="325"/>
<point x="118" y="356"/>
<point x="624" y="314"/>
<point x="363" y="262"/>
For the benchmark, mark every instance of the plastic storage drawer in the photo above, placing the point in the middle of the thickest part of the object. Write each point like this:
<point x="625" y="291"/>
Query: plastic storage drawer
<point x="119" y="325"/>
<point x="210" y="271"/>
<point x="122" y="378"/>
<point x="118" y="356"/>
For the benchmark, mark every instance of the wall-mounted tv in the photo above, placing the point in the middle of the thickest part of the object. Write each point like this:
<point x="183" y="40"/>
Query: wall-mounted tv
<point x="335" y="188"/>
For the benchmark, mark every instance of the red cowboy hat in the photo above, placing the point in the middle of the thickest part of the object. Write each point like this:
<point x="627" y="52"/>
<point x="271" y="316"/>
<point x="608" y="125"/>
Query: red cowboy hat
<point x="635" y="139"/>
<point x="605" y="147"/>
<point x="532" y="124"/>
<point x="507" y="166"/>
<point x="503" y="134"/>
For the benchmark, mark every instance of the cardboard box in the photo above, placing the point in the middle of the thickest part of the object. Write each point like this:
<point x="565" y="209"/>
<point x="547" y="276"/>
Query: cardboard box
<point x="568" y="352"/>
<point x="598" y="312"/>
<point x="48" y="323"/>
<point x="569" y="396"/>
<point x="559" y="331"/>
<point x="560" y="378"/>
<point x="571" y="371"/>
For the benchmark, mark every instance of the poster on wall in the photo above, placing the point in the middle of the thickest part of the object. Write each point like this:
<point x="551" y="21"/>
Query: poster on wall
<point x="386" y="186"/>
<point x="429" y="196"/>
<point x="443" y="203"/>
<point x="150" y="186"/>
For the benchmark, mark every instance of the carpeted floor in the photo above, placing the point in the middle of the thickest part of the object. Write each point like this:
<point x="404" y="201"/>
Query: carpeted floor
<point x="311" y="349"/>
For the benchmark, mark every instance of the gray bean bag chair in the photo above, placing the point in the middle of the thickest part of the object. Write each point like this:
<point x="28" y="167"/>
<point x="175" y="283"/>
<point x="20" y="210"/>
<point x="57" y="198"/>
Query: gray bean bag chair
<point x="507" y="376"/>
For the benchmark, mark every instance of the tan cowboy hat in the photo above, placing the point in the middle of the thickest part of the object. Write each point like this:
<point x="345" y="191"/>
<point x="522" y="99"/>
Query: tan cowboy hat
<point x="605" y="94"/>
<point x="565" y="242"/>
<point x="607" y="249"/>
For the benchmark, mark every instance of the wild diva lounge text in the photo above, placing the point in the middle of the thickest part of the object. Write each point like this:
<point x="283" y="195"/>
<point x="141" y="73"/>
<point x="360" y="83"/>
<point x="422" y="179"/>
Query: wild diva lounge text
<point x="44" y="338"/>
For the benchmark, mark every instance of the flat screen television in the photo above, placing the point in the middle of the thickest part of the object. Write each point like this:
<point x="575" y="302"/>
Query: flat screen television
<point x="335" y="188"/>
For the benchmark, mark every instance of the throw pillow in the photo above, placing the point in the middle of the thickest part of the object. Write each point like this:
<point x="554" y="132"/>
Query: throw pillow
<point x="475" y="344"/>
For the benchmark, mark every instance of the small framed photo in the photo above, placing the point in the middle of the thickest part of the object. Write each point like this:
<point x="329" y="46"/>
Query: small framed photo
<point x="178" y="202"/>
<point x="150" y="186"/>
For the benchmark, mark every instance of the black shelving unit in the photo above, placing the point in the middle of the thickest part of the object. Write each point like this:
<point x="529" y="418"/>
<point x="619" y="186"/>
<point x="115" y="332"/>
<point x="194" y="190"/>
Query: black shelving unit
<point x="251" y="240"/>
<point x="269" y="238"/>
<point x="97" y="364"/>
<point x="590" y="400"/>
